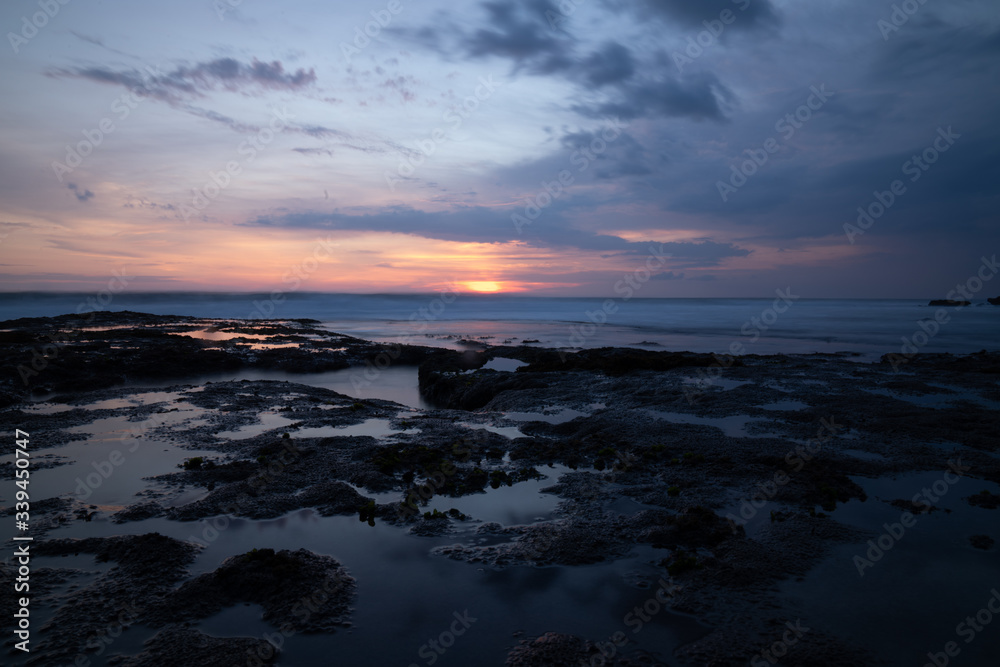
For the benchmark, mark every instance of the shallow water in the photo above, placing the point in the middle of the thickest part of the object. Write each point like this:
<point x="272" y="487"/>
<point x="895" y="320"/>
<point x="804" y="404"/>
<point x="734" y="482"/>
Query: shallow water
<point x="503" y="364"/>
<point x="955" y="578"/>
<point x="405" y="595"/>
<point x="552" y="415"/>
<point x="396" y="383"/>
<point x="511" y="432"/>
<point x="107" y="465"/>
<point x="734" y="426"/>
<point x="375" y="428"/>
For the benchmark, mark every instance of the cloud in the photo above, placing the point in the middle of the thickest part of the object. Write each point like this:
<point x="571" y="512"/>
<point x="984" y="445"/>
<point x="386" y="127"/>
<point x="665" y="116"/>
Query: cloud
<point x="98" y="42"/>
<point x="186" y="82"/>
<point x="474" y="224"/>
<point x="668" y="275"/>
<point x="750" y="14"/>
<point x="315" y="151"/>
<point x="142" y="203"/>
<point x="7" y="228"/>
<point x="671" y="275"/>
<point x="81" y="248"/>
<point x="321" y="132"/>
<point x="81" y="195"/>
<point x="217" y="117"/>
<point x="612" y="63"/>
<point x="930" y="46"/>
<point x="517" y="30"/>
<point x="698" y="96"/>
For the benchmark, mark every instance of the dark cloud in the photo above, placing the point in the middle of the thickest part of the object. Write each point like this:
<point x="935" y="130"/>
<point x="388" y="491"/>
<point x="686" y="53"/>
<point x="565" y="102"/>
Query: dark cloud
<point x="81" y="195"/>
<point x="926" y="46"/>
<point x="486" y="225"/>
<point x="692" y="254"/>
<point x="187" y="82"/>
<point x="673" y="275"/>
<point x="699" y="96"/>
<point x="613" y="63"/>
<point x="321" y="132"/>
<point x="514" y="30"/>
<point x="315" y="151"/>
<point x="518" y="31"/>
<point x="620" y="156"/>
<point x="693" y="13"/>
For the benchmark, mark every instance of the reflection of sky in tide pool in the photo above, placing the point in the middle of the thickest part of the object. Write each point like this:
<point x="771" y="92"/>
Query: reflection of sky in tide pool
<point x="210" y="334"/>
<point x="945" y="399"/>
<point x="503" y="364"/>
<point x="405" y="594"/>
<point x="554" y="415"/>
<point x="511" y="432"/>
<point x="521" y="503"/>
<point x="107" y="466"/>
<point x="955" y="580"/>
<point x="375" y="428"/>
<point x="735" y="426"/>
<point x="395" y="383"/>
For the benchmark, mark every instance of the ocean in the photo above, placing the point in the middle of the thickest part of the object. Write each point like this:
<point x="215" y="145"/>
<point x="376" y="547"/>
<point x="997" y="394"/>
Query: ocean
<point x="784" y="324"/>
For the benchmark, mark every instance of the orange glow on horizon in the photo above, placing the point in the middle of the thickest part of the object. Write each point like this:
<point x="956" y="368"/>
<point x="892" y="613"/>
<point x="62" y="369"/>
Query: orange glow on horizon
<point x="485" y="286"/>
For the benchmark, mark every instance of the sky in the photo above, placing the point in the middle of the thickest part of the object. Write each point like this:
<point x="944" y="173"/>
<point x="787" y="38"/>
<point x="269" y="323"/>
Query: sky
<point x="710" y="148"/>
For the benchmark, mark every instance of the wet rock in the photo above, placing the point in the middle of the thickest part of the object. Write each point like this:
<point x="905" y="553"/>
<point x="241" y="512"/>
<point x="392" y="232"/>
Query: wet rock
<point x="661" y="463"/>
<point x="175" y="645"/>
<point x="984" y="499"/>
<point x="138" y="512"/>
<point x="270" y="500"/>
<point x="103" y="349"/>
<point x="746" y="644"/>
<point x="302" y="590"/>
<point x="567" y="542"/>
<point x="149" y="557"/>
<point x="562" y="650"/>
<point x="981" y="541"/>
<point x="145" y="568"/>
<point x="949" y="302"/>
<point x="432" y="526"/>
<point x="912" y="507"/>
<point x="550" y="650"/>
<point x="619" y="361"/>
<point x="693" y="527"/>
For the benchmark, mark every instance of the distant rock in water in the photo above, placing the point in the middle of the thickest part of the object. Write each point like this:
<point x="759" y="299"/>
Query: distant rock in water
<point x="995" y="300"/>
<point x="949" y="302"/>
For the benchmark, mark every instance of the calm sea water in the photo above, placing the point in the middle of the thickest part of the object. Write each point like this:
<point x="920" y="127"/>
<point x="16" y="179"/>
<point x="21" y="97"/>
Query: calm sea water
<point x="870" y="327"/>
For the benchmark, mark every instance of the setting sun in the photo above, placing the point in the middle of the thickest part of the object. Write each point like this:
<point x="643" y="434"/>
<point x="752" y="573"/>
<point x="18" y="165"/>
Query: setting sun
<point x="483" y="286"/>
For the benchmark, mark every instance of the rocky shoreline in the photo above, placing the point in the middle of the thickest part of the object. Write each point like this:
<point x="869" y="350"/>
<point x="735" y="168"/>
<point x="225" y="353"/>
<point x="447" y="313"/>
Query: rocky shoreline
<point x="732" y="471"/>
